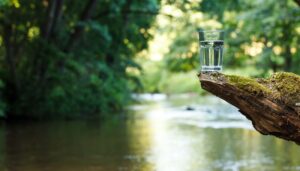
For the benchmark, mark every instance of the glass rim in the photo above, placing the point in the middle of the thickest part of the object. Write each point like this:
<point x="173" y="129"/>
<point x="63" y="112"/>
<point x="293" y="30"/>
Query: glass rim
<point x="210" y="31"/>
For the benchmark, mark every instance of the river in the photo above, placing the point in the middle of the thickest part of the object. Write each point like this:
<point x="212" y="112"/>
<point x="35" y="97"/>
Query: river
<point x="177" y="133"/>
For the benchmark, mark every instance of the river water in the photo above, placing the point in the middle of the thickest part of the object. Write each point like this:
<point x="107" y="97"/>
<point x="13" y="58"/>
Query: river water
<point x="159" y="134"/>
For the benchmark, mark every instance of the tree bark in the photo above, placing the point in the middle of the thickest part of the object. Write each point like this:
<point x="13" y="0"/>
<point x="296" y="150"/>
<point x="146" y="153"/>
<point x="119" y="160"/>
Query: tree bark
<point x="54" y="13"/>
<point x="10" y="62"/>
<point x="297" y="2"/>
<point x="273" y="104"/>
<point x="288" y="60"/>
<point x="85" y="15"/>
<point x="47" y="26"/>
<point x="57" y="16"/>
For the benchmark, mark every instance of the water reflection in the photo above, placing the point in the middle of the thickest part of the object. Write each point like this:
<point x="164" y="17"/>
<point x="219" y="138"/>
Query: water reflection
<point x="213" y="137"/>
<point x="66" y="146"/>
<point x="157" y="136"/>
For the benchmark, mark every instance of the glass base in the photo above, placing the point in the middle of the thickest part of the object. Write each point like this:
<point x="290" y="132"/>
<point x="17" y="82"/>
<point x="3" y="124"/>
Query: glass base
<point x="211" y="68"/>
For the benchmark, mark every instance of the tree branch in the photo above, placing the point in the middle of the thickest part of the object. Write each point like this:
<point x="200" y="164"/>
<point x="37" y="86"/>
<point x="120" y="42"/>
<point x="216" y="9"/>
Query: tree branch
<point x="47" y="26"/>
<point x="13" y="82"/>
<point x="273" y="105"/>
<point x="297" y="2"/>
<point x="86" y="15"/>
<point x="57" y="16"/>
<point x="134" y="12"/>
<point x="54" y="13"/>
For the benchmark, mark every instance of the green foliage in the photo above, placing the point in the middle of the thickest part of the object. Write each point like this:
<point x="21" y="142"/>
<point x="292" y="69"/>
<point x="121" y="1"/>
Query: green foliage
<point x="181" y="57"/>
<point x="70" y="60"/>
<point x="264" y="34"/>
<point x="261" y="37"/>
<point x="77" y="58"/>
<point x="152" y="76"/>
<point x="182" y="82"/>
<point x="158" y="80"/>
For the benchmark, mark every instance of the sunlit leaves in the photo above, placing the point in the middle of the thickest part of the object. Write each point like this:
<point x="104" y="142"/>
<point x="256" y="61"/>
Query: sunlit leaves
<point x="14" y="3"/>
<point x="33" y="32"/>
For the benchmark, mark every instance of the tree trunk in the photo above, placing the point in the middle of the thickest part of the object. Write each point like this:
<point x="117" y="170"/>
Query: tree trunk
<point x="57" y="18"/>
<point x="273" y="104"/>
<point x="297" y="2"/>
<point x="12" y="81"/>
<point x="47" y="26"/>
<point x="288" y="60"/>
<point x="85" y="16"/>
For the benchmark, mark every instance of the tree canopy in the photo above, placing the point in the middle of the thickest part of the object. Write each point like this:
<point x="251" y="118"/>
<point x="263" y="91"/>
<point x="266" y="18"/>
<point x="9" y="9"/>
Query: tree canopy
<point x="63" y="58"/>
<point x="261" y="37"/>
<point x="66" y="58"/>
<point x="264" y="34"/>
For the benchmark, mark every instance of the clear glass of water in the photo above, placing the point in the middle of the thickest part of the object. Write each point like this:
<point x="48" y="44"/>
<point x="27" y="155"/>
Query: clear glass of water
<point x="211" y="50"/>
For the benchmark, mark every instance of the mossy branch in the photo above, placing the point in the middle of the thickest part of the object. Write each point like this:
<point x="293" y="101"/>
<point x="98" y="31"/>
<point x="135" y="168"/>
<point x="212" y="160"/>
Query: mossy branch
<point x="272" y="104"/>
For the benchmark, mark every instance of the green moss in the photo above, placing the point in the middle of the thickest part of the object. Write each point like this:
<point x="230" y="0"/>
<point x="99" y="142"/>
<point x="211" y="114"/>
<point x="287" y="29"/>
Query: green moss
<point x="288" y="85"/>
<point x="249" y="85"/>
<point x="281" y="86"/>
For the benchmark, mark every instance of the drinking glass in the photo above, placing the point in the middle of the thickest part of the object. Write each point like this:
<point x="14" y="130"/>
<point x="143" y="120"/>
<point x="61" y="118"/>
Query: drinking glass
<point x="211" y="50"/>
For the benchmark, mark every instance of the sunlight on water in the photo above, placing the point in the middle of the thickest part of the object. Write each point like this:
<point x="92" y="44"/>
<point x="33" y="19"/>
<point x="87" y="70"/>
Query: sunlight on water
<point x="169" y="147"/>
<point x="211" y="137"/>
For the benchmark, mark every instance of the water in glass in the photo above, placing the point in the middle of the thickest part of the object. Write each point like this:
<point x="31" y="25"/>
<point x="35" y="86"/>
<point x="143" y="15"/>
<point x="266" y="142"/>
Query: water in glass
<point x="211" y="55"/>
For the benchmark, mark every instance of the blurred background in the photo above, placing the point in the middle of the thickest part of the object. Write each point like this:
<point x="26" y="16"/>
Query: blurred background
<point x="112" y="84"/>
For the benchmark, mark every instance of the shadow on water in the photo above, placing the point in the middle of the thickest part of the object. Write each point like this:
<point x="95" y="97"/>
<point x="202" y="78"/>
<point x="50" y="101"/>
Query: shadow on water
<point x="73" y="145"/>
<point x="159" y="134"/>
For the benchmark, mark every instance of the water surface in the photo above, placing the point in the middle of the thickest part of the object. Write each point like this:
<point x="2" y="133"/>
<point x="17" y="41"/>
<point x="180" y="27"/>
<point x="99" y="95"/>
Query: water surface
<point x="160" y="134"/>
